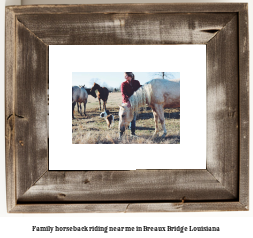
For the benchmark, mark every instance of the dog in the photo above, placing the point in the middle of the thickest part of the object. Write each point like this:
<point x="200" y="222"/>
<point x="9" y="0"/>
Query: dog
<point x="104" y="114"/>
<point x="109" y="118"/>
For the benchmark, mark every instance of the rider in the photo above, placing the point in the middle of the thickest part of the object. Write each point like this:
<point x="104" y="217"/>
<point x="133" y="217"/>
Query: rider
<point x="128" y="87"/>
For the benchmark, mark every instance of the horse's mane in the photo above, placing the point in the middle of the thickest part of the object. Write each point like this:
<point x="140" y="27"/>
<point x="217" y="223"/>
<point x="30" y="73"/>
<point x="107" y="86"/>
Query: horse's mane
<point x="95" y="86"/>
<point x="141" y="97"/>
<point x="98" y="87"/>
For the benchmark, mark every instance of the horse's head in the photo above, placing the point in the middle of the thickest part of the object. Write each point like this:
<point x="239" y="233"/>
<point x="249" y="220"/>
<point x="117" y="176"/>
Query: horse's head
<point x="126" y="115"/>
<point x="93" y="89"/>
<point x="93" y="93"/>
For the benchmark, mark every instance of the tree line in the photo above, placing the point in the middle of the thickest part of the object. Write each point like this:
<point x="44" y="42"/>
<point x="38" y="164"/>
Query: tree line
<point x="164" y="75"/>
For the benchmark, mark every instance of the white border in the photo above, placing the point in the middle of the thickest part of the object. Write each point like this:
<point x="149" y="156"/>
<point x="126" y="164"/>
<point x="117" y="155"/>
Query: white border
<point x="189" y="60"/>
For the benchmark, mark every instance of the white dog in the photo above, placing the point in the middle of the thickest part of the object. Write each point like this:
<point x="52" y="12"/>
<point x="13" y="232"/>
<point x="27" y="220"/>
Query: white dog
<point x="108" y="117"/>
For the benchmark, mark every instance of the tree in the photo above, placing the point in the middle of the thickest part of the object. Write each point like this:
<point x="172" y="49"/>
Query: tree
<point x="94" y="80"/>
<point x="110" y="89"/>
<point x="163" y="75"/>
<point x="104" y="84"/>
<point x="119" y="88"/>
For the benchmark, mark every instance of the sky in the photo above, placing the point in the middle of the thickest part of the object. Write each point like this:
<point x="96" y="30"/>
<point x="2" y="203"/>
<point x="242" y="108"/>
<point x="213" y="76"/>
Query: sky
<point x="114" y="79"/>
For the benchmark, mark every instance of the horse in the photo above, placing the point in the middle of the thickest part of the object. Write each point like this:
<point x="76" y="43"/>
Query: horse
<point x="102" y="94"/>
<point x="88" y="90"/>
<point x="79" y="95"/>
<point x="157" y="94"/>
<point x="92" y="93"/>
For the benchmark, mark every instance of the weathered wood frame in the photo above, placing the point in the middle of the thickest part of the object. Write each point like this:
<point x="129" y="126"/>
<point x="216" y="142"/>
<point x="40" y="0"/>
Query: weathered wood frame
<point x="222" y="186"/>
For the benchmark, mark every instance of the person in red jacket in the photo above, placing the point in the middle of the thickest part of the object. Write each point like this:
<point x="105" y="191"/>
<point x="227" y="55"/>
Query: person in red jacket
<point x="128" y="87"/>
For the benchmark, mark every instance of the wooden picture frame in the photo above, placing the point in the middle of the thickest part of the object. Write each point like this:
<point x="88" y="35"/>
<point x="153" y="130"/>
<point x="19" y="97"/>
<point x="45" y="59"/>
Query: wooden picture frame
<point x="222" y="186"/>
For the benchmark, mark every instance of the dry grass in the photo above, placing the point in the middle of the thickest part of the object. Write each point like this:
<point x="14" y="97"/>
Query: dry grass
<point x="93" y="130"/>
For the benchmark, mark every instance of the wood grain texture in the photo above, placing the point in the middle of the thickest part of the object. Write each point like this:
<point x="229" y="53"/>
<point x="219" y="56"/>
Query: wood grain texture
<point x="139" y="185"/>
<point x="9" y="109"/>
<point x="222" y="107"/>
<point x="223" y="186"/>
<point x="129" y="207"/>
<point x="125" y="29"/>
<point x="155" y="8"/>
<point x="30" y="108"/>
<point x="186" y="207"/>
<point x="244" y="106"/>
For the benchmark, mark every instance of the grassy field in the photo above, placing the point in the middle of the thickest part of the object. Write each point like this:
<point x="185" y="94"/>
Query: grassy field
<point x="93" y="130"/>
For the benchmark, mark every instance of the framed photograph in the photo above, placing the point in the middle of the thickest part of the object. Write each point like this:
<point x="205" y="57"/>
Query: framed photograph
<point x="86" y="157"/>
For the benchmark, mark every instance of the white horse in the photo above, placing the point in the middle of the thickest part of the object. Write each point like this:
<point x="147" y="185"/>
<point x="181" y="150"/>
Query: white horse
<point x="157" y="94"/>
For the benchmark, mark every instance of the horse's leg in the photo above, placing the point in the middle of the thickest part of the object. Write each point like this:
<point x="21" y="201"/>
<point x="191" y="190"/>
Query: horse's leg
<point x="160" y="112"/>
<point x="106" y="101"/>
<point x="99" y="104"/>
<point x="84" y="107"/>
<point x="104" y="105"/>
<point x="73" y="108"/>
<point x="80" y="109"/>
<point x="156" y="122"/>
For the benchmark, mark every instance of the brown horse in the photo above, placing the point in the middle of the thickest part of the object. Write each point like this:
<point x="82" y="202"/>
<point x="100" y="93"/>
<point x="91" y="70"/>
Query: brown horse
<point x="102" y="94"/>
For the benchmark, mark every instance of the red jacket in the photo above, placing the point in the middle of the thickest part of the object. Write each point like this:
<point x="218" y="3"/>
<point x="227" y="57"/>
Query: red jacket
<point x="127" y="90"/>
